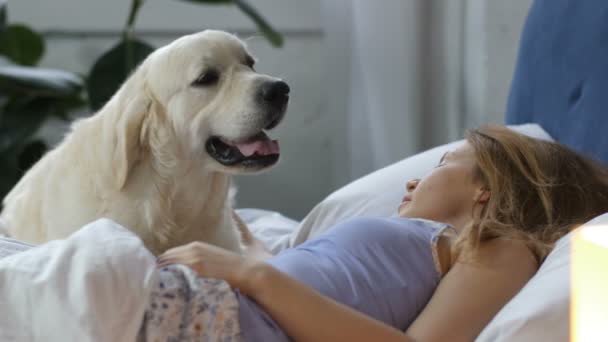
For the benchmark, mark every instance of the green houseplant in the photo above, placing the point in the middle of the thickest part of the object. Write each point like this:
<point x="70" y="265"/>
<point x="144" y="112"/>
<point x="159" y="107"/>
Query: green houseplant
<point x="30" y="94"/>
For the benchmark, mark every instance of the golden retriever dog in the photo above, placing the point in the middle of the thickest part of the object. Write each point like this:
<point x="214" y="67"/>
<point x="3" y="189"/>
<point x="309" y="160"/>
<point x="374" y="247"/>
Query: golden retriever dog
<point x="159" y="156"/>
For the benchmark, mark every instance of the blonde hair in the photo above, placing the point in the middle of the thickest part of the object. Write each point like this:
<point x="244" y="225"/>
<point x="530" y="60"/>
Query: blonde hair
<point x="539" y="190"/>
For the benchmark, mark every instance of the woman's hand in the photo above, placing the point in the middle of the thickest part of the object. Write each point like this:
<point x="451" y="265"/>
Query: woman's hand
<point x="213" y="262"/>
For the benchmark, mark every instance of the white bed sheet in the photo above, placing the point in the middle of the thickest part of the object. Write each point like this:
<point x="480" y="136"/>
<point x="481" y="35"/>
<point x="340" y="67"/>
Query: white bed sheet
<point x="93" y="286"/>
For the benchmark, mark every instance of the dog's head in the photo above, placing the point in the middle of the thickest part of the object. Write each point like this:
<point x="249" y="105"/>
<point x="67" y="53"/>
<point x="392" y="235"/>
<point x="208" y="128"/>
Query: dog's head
<point x="205" y="92"/>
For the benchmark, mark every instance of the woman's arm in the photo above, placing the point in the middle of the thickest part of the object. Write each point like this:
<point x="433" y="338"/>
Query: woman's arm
<point x="471" y="293"/>
<point x="304" y="314"/>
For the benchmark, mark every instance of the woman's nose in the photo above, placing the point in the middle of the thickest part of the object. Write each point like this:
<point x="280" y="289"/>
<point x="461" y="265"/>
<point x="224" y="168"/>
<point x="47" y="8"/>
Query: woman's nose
<point x="411" y="185"/>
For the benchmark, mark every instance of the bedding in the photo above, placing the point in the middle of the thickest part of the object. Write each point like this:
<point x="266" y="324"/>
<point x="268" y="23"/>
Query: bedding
<point x="101" y="298"/>
<point x="90" y="282"/>
<point x="184" y="307"/>
<point x="10" y="246"/>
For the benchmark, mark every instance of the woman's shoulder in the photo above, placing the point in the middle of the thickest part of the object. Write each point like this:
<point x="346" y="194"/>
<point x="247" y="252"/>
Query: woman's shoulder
<point x="500" y="252"/>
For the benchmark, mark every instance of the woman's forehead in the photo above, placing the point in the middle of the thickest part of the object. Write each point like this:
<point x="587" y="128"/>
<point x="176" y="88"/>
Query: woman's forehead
<point x="463" y="150"/>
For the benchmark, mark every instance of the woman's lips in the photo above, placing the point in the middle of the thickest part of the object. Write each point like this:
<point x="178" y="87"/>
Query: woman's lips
<point x="406" y="199"/>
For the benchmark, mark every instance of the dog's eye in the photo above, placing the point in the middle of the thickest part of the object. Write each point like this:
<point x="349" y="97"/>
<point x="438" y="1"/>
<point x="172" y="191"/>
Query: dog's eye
<point x="209" y="77"/>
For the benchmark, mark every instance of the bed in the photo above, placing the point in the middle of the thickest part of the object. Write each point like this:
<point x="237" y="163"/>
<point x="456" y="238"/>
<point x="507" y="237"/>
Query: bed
<point x="557" y="93"/>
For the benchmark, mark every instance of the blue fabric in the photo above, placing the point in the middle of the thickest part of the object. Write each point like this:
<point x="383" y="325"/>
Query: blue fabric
<point x="561" y="77"/>
<point x="381" y="267"/>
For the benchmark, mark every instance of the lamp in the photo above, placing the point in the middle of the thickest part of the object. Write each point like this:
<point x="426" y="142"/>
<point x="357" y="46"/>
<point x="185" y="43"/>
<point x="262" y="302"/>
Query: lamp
<point x="589" y="292"/>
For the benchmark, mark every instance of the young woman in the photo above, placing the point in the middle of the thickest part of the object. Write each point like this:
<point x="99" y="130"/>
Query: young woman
<point x="470" y="235"/>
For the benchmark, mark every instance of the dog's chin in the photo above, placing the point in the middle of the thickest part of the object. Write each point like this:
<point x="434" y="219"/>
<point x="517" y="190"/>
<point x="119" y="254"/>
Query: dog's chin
<point x="248" y="155"/>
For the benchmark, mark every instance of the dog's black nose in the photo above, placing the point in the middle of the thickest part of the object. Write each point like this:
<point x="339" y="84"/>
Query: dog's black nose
<point x="275" y="93"/>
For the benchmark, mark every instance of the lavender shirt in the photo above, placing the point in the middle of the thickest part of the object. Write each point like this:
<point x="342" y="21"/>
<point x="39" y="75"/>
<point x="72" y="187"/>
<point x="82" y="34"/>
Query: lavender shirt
<point x="383" y="268"/>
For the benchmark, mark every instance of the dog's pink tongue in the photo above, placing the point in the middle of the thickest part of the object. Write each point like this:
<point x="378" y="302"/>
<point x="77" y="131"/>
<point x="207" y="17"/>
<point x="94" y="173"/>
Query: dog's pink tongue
<point x="261" y="147"/>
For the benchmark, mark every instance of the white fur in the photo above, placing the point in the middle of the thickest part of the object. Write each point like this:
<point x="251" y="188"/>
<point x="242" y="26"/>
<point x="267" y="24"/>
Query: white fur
<point x="141" y="160"/>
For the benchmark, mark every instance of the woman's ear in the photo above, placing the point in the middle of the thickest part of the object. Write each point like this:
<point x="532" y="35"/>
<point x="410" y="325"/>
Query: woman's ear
<point x="482" y="195"/>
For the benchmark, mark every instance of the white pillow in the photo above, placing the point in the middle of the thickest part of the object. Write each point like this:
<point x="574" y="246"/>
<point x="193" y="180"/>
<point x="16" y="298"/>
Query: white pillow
<point x="541" y="310"/>
<point x="379" y="193"/>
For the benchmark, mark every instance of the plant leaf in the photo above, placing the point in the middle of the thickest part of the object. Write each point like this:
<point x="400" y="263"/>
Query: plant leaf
<point x="30" y="154"/>
<point x="113" y="68"/>
<point x="17" y="160"/>
<point x="270" y="33"/>
<point x="135" y="7"/>
<point x="21" y="44"/>
<point x="20" y="80"/>
<point x="62" y="107"/>
<point x="9" y="174"/>
<point x="3" y="14"/>
<point x="22" y="117"/>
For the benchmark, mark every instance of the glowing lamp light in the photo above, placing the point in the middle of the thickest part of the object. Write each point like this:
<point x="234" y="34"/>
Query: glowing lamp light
<point x="589" y="300"/>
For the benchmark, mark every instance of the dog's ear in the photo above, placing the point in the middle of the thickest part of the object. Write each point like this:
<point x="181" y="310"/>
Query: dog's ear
<point x="132" y="107"/>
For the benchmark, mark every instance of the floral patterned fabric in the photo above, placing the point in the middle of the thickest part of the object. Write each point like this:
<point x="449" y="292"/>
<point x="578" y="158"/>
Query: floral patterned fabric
<point x="184" y="307"/>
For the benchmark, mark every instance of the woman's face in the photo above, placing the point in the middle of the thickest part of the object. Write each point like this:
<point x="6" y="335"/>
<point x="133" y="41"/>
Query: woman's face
<point x="448" y="193"/>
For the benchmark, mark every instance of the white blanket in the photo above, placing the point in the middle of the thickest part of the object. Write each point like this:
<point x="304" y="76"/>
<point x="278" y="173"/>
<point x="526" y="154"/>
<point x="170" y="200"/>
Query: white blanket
<point x="93" y="286"/>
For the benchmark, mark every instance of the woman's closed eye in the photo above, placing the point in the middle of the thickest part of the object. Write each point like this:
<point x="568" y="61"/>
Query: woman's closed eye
<point x="442" y="160"/>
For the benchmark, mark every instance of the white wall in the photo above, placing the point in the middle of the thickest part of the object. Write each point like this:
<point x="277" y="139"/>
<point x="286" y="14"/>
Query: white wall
<point x="471" y="57"/>
<point x="492" y="30"/>
<point x="419" y="73"/>
<point x="468" y="47"/>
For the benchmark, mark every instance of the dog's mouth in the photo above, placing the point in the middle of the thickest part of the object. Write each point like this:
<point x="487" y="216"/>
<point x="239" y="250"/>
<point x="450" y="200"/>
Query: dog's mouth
<point x="257" y="151"/>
